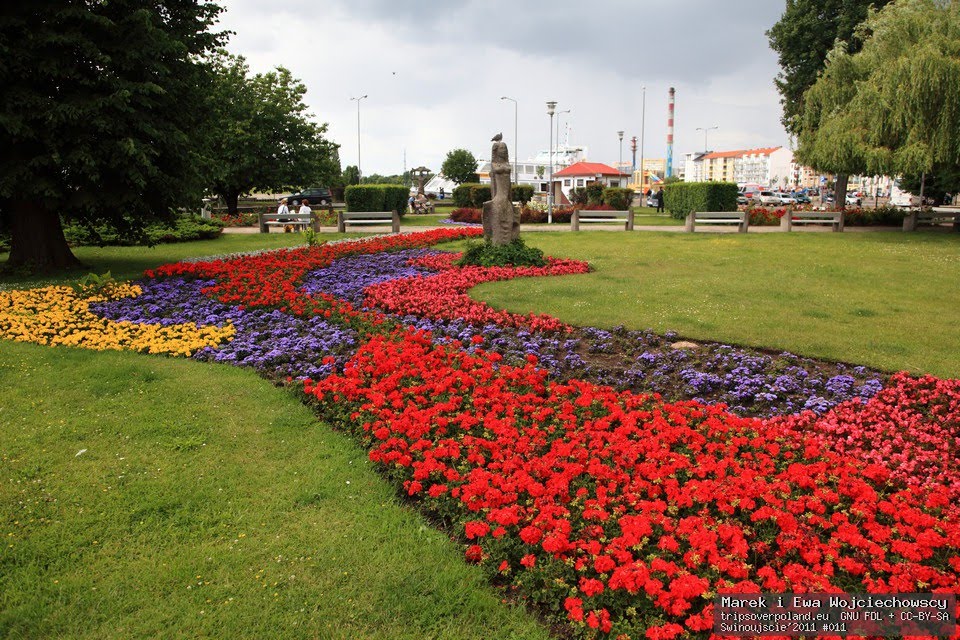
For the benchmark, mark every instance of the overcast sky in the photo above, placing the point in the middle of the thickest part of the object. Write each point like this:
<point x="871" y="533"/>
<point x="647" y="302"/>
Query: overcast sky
<point x="434" y="73"/>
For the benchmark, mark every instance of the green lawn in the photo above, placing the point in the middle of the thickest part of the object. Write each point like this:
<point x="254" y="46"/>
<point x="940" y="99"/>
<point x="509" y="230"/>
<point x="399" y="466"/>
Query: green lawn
<point x="208" y="503"/>
<point x="886" y="299"/>
<point x="147" y="497"/>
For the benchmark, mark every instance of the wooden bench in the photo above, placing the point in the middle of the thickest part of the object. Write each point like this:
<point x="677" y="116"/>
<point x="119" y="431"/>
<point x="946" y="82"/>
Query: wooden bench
<point x="380" y="218"/>
<point x="295" y="220"/>
<point x="739" y="218"/>
<point x="935" y="216"/>
<point x="833" y="218"/>
<point x="626" y="217"/>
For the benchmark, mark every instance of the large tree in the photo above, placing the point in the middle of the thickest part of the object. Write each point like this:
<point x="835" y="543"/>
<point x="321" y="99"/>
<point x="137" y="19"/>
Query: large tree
<point x="893" y="107"/>
<point x="806" y="32"/>
<point x="261" y="137"/>
<point x="101" y="102"/>
<point x="460" y="166"/>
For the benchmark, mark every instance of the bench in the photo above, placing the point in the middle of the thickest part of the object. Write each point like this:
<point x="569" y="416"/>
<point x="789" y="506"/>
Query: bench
<point x="739" y="218"/>
<point x="935" y="216"/>
<point x="380" y="218"/>
<point x="626" y="217"/>
<point x="295" y="220"/>
<point x="833" y="218"/>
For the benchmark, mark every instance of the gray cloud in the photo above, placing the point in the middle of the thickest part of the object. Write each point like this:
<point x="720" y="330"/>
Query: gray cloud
<point x="434" y="72"/>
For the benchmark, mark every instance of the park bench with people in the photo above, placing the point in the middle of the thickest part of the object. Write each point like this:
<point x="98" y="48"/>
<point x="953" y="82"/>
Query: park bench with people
<point x="295" y="221"/>
<point x="587" y="216"/>
<point x="361" y="218"/>
<point x="833" y="218"/>
<point x="739" y="218"/>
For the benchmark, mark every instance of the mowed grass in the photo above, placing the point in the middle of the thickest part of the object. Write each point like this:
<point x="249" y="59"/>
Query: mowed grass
<point x="886" y="299"/>
<point x="148" y="497"/>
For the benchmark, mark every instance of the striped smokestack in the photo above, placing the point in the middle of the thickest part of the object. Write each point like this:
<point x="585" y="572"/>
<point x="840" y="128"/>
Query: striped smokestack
<point x="669" y="171"/>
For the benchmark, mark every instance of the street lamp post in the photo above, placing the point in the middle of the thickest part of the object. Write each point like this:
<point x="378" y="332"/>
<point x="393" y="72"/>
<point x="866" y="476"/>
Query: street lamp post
<point x="551" y="109"/>
<point x="359" y="172"/>
<point x="559" y="113"/>
<point x="643" y="118"/>
<point x="620" y="162"/>
<point x="705" y="130"/>
<point x="516" y="177"/>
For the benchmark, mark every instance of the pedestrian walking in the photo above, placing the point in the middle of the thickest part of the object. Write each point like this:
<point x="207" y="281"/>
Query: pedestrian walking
<point x="660" y="200"/>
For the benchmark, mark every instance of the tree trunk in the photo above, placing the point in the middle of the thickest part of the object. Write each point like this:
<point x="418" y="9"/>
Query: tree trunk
<point x="231" y="198"/>
<point x="840" y="191"/>
<point x="36" y="239"/>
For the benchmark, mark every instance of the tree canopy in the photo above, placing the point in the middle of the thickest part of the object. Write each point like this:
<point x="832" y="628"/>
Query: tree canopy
<point x="260" y="136"/>
<point x="460" y="166"/>
<point x="102" y="101"/>
<point x="802" y="38"/>
<point x="893" y="107"/>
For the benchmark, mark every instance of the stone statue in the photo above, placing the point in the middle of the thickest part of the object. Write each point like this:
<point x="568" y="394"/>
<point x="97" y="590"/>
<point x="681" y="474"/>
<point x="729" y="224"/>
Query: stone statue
<point x="500" y="220"/>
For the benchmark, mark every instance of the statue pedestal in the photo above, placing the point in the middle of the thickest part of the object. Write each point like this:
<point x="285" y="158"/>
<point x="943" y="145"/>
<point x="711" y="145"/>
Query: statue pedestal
<point x="500" y="221"/>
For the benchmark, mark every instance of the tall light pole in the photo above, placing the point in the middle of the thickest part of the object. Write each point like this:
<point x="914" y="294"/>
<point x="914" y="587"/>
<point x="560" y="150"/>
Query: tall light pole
<point x="359" y="172"/>
<point x="643" y="122"/>
<point x="620" y="162"/>
<point x="705" y="130"/>
<point x="551" y="108"/>
<point x="516" y="176"/>
<point x="559" y="113"/>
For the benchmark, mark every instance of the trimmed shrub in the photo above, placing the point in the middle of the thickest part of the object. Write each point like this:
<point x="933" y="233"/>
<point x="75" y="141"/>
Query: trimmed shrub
<point x="466" y="214"/>
<point x="578" y="196"/>
<point x="182" y="229"/>
<point x="479" y="193"/>
<point x="517" y="254"/>
<point x="376" y="197"/>
<point x="680" y="198"/>
<point x="522" y="193"/>
<point x="618" y="197"/>
<point x="462" y="196"/>
<point x="594" y="192"/>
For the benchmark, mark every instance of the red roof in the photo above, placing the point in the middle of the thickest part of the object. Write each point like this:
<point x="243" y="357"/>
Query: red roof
<point x="741" y="152"/>
<point x="588" y="169"/>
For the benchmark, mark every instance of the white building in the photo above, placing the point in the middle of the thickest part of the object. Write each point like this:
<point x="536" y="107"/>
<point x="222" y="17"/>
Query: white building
<point x="768" y="166"/>
<point x="536" y="171"/>
<point x="579" y="174"/>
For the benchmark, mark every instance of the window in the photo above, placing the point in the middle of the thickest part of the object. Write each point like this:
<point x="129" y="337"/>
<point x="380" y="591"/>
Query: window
<point x="579" y="182"/>
<point x="543" y="187"/>
<point x="614" y="183"/>
<point x="566" y="182"/>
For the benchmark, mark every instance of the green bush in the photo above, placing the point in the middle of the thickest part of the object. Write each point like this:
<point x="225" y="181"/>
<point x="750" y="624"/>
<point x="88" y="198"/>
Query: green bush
<point x="680" y="198"/>
<point x="462" y="196"/>
<point x="518" y="254"/>
<point x="182" y="229"/>
<point x="617" y="197"/>
<point x="471" y="195"/>
<point x="522" y="193"/>
<point x="377" y="197"/>
<point x="594" y="192"/>
<point x="578" y="196"/>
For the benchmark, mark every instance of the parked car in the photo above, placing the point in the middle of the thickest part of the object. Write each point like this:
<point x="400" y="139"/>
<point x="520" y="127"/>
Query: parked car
<point x="768" y="198"/>
<point x="316" y="195"/>
<point x="854" y="198"/>
<point x="652" y="200"/>
<point x="801" y="198"/>
<point x="786" y="198"/>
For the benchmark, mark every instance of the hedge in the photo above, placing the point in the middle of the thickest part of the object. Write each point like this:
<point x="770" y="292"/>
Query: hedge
<point x="594" y="192"/>
<point x="680" y="198"/>
<point x="617" y="197"/>
<point x="377" y="197"/>
<point x="182" y="229"/>
<point x="471" y="194"/>
<point x="522" y="193"/>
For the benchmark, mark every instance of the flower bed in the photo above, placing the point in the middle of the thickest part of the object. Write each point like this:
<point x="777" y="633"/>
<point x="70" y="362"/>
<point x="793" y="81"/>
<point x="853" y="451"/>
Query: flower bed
<point x="631" y="512"/>
<point x="612" y="511"/>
